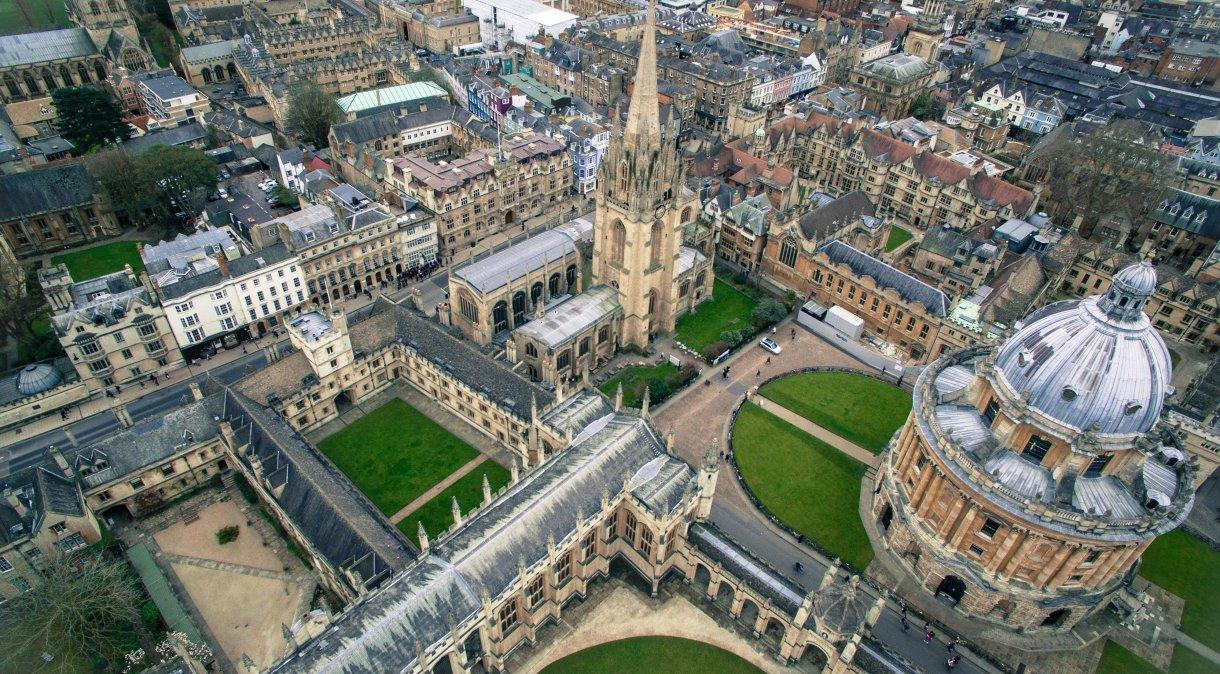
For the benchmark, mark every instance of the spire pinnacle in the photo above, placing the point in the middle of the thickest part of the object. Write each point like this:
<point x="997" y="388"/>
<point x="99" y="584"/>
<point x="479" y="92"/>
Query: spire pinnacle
<point x="643" y="116"/>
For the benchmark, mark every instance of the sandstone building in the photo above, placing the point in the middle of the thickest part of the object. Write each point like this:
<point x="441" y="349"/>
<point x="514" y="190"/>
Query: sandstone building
<point x="1030" y="477"/>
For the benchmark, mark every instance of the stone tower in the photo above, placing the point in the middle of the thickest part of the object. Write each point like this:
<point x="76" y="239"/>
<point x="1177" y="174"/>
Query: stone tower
<point x="641" y="207"/>
<point x="925" y="37"/>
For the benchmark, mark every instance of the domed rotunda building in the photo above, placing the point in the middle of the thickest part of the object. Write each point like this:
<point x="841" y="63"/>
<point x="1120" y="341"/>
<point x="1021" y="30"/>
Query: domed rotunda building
<point x="1030" y="478"/>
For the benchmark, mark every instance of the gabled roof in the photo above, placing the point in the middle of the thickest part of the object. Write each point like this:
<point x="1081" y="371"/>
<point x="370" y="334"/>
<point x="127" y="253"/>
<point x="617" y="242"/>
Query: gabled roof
<point x="835" y="214"/>
<point x="44" y="46"/>
<point x="1192" y="212"/>
<point x="908" y="287"/>
<point x="45" y="190"/>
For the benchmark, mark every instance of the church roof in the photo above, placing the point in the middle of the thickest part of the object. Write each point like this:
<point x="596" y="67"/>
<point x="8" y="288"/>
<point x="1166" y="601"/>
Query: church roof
<point x="49" y="45"/>
<point x="572" y="316"/>
<point x="502" y="268"/>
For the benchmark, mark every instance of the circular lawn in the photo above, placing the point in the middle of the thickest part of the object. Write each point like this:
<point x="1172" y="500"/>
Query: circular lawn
<point x="652" y="654"/>
<point x="855" y="407"/>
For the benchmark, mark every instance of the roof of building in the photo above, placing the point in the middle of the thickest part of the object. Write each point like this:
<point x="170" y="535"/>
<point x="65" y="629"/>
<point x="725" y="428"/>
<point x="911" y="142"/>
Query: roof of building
<point x="568" y="319"/>
<point x="416" y="609"/>
<point x="174" y="285"/>
<point x="500" y="269"/>
<point x="402" y="93"/>
<point x="148" y="442"/>
<point x="1192" y="212"/>
<point x="443" y="177"/>
<point x="183" y="134"/>
<point x="44" y="190"/>
<point x="908" y="287"/>
<point x="208" y="51"/>
<point x="836" y="214"/>
<point x="168" y="87"/>
<point x="898" y="67"/>
<point x="48" y="45"/>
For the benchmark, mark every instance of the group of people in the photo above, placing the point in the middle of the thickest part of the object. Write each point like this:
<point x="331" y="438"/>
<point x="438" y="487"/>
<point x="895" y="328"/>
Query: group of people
<point x="929" y="636"/>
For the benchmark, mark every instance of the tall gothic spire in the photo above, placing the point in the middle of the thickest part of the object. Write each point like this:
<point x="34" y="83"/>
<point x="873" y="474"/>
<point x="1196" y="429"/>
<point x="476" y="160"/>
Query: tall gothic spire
<point x="643" y="118"/>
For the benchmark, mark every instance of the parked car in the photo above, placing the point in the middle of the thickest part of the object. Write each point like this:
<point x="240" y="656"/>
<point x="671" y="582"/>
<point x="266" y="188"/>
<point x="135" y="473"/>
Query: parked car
<point x="770" y="345"/>
<point x="224" y="194"/>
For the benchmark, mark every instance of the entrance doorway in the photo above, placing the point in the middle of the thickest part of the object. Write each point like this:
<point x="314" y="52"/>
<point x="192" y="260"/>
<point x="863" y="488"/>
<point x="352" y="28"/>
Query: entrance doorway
<point x="951" y="588"/>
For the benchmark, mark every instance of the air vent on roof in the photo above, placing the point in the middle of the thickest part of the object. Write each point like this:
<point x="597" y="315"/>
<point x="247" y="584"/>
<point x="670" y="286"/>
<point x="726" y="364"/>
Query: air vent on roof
<point x="261" y="262"/>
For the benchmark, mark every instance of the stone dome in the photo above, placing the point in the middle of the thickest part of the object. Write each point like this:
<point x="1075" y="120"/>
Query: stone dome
<point x="37" y="378"/>
<point x="841" y="606"/>
<point x="1094" y="364"/>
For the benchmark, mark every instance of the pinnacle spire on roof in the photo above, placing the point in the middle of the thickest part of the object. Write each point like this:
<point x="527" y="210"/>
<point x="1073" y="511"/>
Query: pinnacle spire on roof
<point x="643" y="117"/>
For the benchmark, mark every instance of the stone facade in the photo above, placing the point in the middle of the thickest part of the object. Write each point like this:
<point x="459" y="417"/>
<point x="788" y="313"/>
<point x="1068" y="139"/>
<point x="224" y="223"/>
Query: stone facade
<point x="486" y="191"/>
<point x="1002" y="503"/>
<point x="892" y="83"/>
<point x="52" y="208"/>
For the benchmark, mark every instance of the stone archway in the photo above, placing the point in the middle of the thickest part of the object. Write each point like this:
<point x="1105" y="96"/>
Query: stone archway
<point x="748" y="615"/>
<point x="774" y="631"/>
<point x="702" y="579"/>
<point x="724" y="597"/>
<point x="951" y="588"/>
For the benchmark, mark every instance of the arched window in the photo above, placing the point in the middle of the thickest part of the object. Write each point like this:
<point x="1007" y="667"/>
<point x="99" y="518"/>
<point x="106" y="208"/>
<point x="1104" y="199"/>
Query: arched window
<point x="82" y="73"/>
<point x="99" y="69"/>
<point x="49" y="79"/>
<point x="787" y="253"/>
<point x="207" y="75"/>
<point x="657" y="234"/>
<point x="571" y="277"/>
<point x="31" y="85"/>
<point x="219" y="73"/>
<point x="584" y="345"/>
<point x="94" y="8"/>
<point x="553" y="284"/>
<point x="518" y="307"/>
<point x="65" y="74"/>
<point x="702" y="276"/>
<point x="530" y="350"/>
<point x="683" y="289"/>
<point x="686" y="214"/>
<point x="470" y="310"/>
<point x="499" y="317"/>
<point x="11" y="85"/>
<point x="536" y="293"/>
<point x="618" y="242"/>
<point x="652" y="301"/>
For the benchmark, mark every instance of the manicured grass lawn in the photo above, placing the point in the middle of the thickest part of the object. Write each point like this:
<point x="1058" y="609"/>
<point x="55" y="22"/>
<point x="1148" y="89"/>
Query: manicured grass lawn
<point x="104" y="259"/>
<point x="395" y="453"/>
<point x="631" y="378"/>
<point x="43" y="15"/>
<point x="1187" y="567"/>
<point x="652" y="654"/>
<point x="1186" y="661"/>
<point x="858" y="408"/>
<point x="729" y="309"/>
<point x="1117" y="660"/>
<point x="437" y="514"/>
<point x="808" y="484"/>
<point x="897" y="237"/>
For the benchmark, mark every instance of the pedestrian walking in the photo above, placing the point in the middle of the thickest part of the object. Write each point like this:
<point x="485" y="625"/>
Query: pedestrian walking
<point x="768" y="360"/>
<point x="906" y="624"/>
<point x="953" y="644"/>
<point x="952" y="662"/>
<point x="758" y="373"/>
<point x="928" y="637"/>
<point x="793" y="333"/>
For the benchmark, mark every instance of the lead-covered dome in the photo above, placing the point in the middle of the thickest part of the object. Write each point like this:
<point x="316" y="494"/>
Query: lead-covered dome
<point x="1095" y="364"/>
<point x="37" y="378"/>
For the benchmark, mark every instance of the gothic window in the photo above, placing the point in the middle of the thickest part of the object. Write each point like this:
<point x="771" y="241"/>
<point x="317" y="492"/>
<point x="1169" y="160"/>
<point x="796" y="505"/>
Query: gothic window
<point x="658" y="232"/>
<point x="207" y="76"/>
<point x="535" y="591"/>
<point x="11" y="85"/>
<point x="499" y="317"/>
<point x="618" y="242"/>
<point x="700" y="279"/>
<point x="646" y="541"/>
<point x="787" y="253"/>
<point x="584" y="346"/>
<point x="508" y="617"/>
<point x="553" y="284"/>
<point x="100" y="70"/>
<point x="603" y="335"/>
<point x="219" y="73"/>
<point x="652" y="301"/>
<point x="82" y="73"/>
<point x="536" y="293"/>
<point x="571" y="277"/>
<point x="686" y="214"/>
<point x="65" y="75"/>
<point x="530" y="350"/>
<point x="564" y="360"/>
<point x="469" y="310"/>
<point x="683" y="289"/>
<point x="31" y="85"/>
<point x="588" y="546"/>
<point x="49" y="79"/>
<point x="563" y="569"/>
<point x="518" y="307"/>
<point x="629" y="527"/>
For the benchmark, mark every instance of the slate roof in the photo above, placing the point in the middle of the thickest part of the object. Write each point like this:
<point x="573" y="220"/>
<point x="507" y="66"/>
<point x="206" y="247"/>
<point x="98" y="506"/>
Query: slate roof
<point x="183" y="134"/>
<point x="57" y="494"/>
<point x="832" y="216"/>
<point x="150" y="441"/>
<point x="209" y="51"/>
<point x="418" y="606"/>
<point x="339" y="522"/>
<point x="48" y="45"/>
<point x="908" y="287"/>
<point x="45" y="190"/>
<point x="246" y="264"/>
<point x="383" y="323"/>
<point x="1192" y="212"/>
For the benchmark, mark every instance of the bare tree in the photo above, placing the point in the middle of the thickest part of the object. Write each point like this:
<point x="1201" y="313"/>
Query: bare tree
<point x="1116" y="170"/>
<point x="85" y="608"/>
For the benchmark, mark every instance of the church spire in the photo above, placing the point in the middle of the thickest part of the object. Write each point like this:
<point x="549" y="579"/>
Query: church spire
<point x="643" y="117"/>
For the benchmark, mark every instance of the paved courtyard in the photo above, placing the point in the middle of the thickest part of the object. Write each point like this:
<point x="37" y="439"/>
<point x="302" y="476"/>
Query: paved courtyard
<point x="688" y="412"/>
<point x="242" y="591"/>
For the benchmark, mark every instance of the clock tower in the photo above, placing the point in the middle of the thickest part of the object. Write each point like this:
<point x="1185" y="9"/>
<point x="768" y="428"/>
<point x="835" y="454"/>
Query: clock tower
<point x="642" y="205"/>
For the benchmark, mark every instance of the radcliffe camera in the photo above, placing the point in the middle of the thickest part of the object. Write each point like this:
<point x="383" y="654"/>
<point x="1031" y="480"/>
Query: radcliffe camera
<point x="605" y="336"/>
